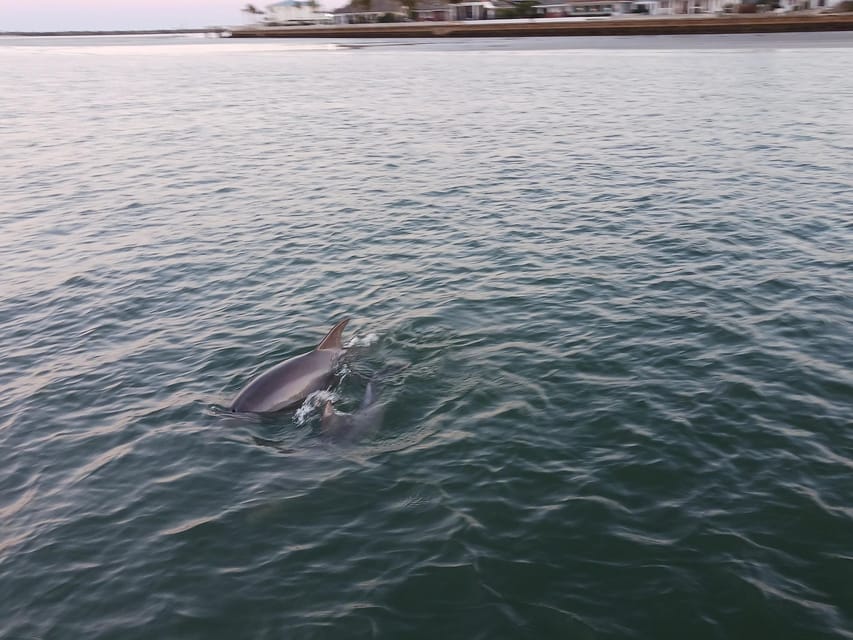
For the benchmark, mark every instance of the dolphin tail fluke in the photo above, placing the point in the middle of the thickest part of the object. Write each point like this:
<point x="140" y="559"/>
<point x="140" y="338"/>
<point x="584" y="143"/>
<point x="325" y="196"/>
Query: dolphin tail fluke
<point x="333" y="339"/>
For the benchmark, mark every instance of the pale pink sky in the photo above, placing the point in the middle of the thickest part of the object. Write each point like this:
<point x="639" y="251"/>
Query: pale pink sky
<point x="65" y="15"/>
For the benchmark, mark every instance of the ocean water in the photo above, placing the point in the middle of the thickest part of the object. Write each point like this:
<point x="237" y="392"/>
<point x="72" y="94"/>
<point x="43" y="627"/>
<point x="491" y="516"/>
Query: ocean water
<point x="620" y="271"/>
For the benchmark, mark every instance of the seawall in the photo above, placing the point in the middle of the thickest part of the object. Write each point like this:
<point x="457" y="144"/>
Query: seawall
<point x="543" y="27"/>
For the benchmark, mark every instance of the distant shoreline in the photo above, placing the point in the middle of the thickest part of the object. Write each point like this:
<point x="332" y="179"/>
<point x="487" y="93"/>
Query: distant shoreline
<point x="633" y="26"/>
<point x="121" y="32"/>
<point x="727" y="24"/>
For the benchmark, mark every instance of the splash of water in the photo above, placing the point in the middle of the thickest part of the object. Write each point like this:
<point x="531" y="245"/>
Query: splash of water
<point x="359" y="341"/>
<point x="313" y="402"/>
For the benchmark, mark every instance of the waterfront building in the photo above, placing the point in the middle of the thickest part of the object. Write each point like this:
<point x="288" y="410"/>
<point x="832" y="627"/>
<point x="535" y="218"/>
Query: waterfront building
<point x="432" y="11"/>
<point x="580" y="8"/>
<point x="479" y="9"/>
<point x="366" y="11"/>
<point x="689" y="7"/>
<point x="592" y="8"/>
<point x="295" y="12"/>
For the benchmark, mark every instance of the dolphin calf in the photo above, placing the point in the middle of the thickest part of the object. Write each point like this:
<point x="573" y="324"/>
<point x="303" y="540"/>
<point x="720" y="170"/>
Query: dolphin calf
<point x="365" y="420"/>
<point x="288" y="383"/>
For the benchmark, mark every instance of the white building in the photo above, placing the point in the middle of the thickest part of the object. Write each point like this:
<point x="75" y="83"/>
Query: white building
<point x="294" y="12"/>
<point x="679" y="7"/>
<point x="366" y="11"/>
<point x="570" y="8"/>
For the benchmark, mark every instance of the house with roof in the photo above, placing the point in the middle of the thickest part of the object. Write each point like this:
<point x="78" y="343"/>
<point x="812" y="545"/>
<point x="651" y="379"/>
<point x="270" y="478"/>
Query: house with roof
<point x="683" y="7"/>
<point x="569" y="8"/>
<point x="479" y="9"/>
<point x="294" y="12"/>
<point x="366" y="11"/>
<point x="432" y="11"/>
<point x="361" y="11"/>
<point x="579" y="8"/>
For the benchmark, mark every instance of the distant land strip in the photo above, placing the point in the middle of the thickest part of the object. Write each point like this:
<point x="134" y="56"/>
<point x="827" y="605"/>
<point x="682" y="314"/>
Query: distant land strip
<point x="125" y="32"/>
<point x="543" y="27"/>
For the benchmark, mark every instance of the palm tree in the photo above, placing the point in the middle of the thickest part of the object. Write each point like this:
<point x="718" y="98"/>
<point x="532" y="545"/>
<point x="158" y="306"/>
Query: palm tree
<point x="410" y="6"/>
<point x="251" y="10"/>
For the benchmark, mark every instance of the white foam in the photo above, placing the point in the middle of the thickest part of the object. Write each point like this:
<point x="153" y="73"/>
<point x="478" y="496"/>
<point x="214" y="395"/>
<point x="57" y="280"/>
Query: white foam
<point x="359" y="341"/>
<point x="313" y="402"/>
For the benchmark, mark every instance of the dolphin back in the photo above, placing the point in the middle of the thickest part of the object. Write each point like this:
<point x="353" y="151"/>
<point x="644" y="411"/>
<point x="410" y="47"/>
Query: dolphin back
<point x="287" y="384"/>
<point x="364" y="421"/>
<point x="350" y="427"/>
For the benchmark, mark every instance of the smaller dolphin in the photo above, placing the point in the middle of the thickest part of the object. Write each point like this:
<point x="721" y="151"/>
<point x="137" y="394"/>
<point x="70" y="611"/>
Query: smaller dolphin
<point x="288" y="383"/>
<point x="364" y="421"/>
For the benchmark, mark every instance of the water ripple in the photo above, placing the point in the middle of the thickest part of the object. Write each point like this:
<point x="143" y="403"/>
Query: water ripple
<point x="624" y="303"/>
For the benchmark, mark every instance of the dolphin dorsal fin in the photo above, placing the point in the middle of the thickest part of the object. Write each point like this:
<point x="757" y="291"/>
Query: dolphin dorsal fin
<point x="333" y="338"/>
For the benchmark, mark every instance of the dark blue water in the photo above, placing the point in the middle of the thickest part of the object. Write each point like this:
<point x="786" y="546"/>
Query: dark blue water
<point x="620" y="271"/>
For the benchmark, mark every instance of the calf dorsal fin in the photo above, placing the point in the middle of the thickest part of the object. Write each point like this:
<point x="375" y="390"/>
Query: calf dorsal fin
<point x="333" y="338"/>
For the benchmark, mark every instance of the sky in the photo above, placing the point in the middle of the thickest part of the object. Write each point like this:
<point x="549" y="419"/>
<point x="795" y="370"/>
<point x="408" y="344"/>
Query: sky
<point x="69" y="15"/>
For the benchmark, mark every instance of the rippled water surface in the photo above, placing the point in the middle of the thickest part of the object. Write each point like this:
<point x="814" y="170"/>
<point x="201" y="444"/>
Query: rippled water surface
<point x="620" y="271"/>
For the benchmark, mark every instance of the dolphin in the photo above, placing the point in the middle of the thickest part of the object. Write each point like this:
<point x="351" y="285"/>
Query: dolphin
<point x="288" y="383"/>
<point x="365" y="420"/>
